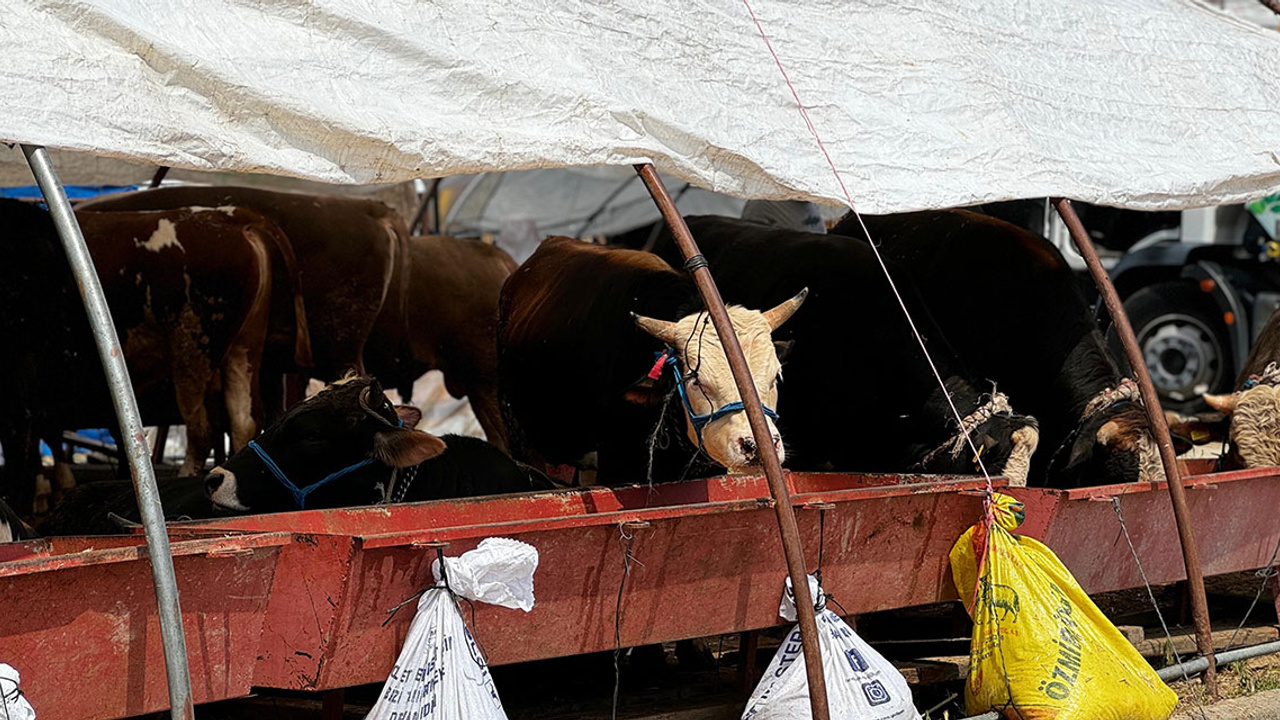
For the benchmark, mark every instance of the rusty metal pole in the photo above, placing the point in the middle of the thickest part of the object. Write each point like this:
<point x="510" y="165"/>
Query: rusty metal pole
<point x="1159" y="429"/>
<point x="791" y="546"/>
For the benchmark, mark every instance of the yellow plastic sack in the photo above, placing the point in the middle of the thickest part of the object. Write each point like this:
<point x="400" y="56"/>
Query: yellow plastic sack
<point x="1041" y="649"/>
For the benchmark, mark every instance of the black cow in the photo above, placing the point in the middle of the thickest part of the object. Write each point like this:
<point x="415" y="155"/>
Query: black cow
<point x="581" y="334"/>
<point x="857" y="391"/>
<point x="347" y="446"/>
<point x="1009" y="304"/>
<point x="106" y="508"/>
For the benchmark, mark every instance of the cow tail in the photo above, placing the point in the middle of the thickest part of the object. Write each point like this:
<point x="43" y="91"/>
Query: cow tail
<point x="302" y="355"/>
<point x="399" y="233"/>
<point x="516" y="443"/>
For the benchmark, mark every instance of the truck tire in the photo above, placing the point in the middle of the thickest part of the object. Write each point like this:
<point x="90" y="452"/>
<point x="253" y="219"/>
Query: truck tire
<point x="1184" y="341"/>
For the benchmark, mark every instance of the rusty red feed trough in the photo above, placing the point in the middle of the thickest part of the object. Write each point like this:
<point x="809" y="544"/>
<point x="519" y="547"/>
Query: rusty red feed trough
<point x="311" y="600"/>
<point x="703" y="566"/>
<point x="703" y="562"/>
<point x="78" y="619"/>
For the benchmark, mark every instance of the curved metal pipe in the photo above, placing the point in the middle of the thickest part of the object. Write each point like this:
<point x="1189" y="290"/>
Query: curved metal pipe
<point x="1160" y="432"/>
<point x="790" y="531"/>
<point x="135" y="438"/>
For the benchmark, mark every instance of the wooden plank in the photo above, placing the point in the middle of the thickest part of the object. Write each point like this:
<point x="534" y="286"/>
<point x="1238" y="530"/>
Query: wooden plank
<point x="926" y="671"/>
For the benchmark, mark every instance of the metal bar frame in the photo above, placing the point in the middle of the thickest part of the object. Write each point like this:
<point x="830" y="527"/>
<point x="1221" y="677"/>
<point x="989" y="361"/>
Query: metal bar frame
<point x="1198" y="665"/>
<point x="134" y="435"/>
<point x="1159" y="429"/>
<point x="431" y="194"/>
<point x="696" y="264"/>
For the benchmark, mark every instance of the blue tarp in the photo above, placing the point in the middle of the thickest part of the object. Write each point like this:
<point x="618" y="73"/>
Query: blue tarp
<point x="74" y="192"/>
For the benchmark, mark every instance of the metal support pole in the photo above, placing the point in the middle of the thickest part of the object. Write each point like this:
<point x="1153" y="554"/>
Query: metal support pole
<point x="791" y="546"/>
<point x="135" y="438"/>
<point x="158" y="177"/>
<point x="1194" y="667"/>
<point x="415" y="227"/>
<point x="1160" y="431"/>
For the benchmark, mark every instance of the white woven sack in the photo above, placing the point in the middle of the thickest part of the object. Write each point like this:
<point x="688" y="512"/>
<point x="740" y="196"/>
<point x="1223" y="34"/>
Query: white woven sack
<point x="13" y="706"/>
<point x="441" y="673"/>
<point x="861" y="684"/>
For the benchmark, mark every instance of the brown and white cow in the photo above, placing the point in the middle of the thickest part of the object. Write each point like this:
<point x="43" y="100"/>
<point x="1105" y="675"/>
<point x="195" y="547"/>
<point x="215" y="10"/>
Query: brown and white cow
<point x="453" y="293"/>
<point x="189" y="292"/>
<point x="352" y="261"/>
<point x="581" y="328"/>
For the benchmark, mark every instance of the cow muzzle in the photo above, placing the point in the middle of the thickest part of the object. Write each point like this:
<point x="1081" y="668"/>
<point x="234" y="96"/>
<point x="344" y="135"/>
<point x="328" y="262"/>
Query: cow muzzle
<point x="731" y="443"/>
<point x="220" y="484"/>
<point x="750" y="451"/>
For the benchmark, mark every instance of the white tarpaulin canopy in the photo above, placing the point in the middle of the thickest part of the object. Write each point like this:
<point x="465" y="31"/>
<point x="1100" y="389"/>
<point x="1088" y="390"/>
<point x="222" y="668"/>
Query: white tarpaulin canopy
<point x="1143" y="103"/>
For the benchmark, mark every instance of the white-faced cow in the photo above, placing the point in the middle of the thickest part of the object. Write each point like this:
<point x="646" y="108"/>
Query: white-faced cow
<point x="189" y="292"/>
<point x="347" y="445"/>
<point x="453" y="291"/>
<point x="858" y="394"/>
<point x="1009" y="304"/>
<point x="586" y="335"/>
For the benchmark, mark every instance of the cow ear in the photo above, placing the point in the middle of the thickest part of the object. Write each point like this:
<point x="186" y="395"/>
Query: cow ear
<point x="1108" y="432"/>
<point x="399" y="447"/>
<point x="783" y="348"/>
<point x="644" y="392"/>
<point x="409" y="416"/>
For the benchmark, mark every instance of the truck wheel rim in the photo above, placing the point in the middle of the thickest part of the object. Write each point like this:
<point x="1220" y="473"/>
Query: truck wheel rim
<point x="1183" y="356"/>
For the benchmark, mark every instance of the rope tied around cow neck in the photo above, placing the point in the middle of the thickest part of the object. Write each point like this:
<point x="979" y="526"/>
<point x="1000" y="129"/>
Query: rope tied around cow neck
<point x="1269" y="376"/>
<point x="1126" y="390"/>
<point x="998" y="404"/>
<point x="400" y="485"/>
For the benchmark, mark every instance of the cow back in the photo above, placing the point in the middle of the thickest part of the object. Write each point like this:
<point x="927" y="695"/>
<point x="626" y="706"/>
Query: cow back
<point x="351" y="258"/>
<point x="856" y="391"/>
<point x="1011" y="307"/>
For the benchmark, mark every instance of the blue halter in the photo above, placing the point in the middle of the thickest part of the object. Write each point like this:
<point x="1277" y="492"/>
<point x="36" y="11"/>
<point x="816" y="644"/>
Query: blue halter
<point x="300" y="494"/>
<point x="701" y="421"/>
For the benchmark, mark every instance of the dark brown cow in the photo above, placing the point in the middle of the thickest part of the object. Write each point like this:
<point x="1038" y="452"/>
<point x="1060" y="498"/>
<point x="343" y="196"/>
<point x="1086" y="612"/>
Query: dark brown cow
<point x="352" y="260"/>
<point x="454" y="294"/>
<point x="580" y="327"/>
<point x="189" y="292"/>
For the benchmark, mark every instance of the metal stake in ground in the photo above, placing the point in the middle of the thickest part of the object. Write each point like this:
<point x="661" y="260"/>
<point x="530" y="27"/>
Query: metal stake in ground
<point x="134" y="437"/>
<point x="1159" y="429"/>
<point x="791" y="547"/>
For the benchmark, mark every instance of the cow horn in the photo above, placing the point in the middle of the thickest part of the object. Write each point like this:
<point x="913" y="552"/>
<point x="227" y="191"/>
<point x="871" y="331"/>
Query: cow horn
<point x="664" y="330"/>
<point x="1225" y="404"/>
<point x="366" y="396"/>
<point x="780" y="314"/>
